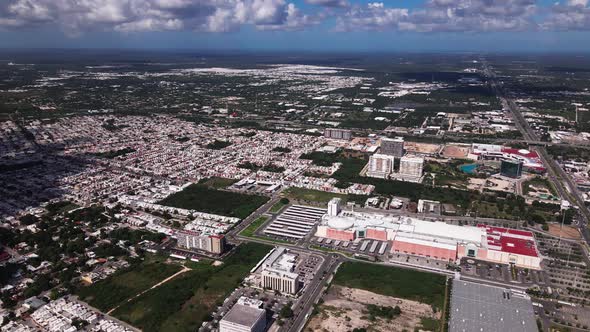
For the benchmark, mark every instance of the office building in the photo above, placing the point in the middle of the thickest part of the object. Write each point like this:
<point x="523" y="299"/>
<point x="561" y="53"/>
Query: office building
<point x="411" y="168"/>
<point x="334" y="206"/>
<point x="278" y="272"/>
<point x="392" y="146"/>
<point x="246" y="315"/>
<point x="511" y="168"/>
<point x="214" y="244"/>
<point x="217" y="243"/>
<point x="380" y="166"/>
<point x="334" y="133"/>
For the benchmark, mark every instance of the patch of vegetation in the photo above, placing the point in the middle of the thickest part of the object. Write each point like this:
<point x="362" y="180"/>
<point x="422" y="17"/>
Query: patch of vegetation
<point x="184" y="303"/>
<point x="114" y="153"/>
<point x="538" y="182"/>
<point x="107" y="294"/>
<point x="204" y="199"/>
<point x="60" y="207"/>
<point x="218" y="145"/>
<point x="279" y="205"/>
<point x="414" y="285"/>
<point x="321" y="197"/>
<point x="383" y="311"/>
<point x="321" y="158"/>
<point x="282" y="149"/>
<point x="273" y="168"/>
<point x="250" y="231"/>
<point x="217" y="182"/>
<point x="429" y="324"/>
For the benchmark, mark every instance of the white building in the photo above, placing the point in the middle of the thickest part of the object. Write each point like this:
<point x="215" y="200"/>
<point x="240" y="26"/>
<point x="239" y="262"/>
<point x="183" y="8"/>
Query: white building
<point x="380" y="166"/>
<point x="334" y="206"/>
<point x="246" y="315"/>
<point x="278" y="272"/>
<point x="411" y="168"/>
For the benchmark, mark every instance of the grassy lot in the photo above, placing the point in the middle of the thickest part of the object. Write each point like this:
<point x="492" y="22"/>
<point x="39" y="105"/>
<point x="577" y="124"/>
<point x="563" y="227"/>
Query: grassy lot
<point x="319" y="197"/>
<point x="538" y="182"/>
<point x="217" y="182"/>
<point x="185" y="302"/>
<point x="107" y="294"/>
<point x="251" y="229"/>
<point x="278" y="206"/>
<point x="205" y="199"/>
<point x="392" y="281"/>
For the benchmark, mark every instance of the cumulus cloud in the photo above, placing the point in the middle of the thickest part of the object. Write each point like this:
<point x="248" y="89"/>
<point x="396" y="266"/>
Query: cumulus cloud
<point x="443" y="15"/>
<point x="328" y="3"/>
<point x="573" y="15"/>
<point x="127" y="16"/>
<point x="76" y="16"/>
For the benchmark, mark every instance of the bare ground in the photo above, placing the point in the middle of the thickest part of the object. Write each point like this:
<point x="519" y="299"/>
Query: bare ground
<point x="345" y="309"/>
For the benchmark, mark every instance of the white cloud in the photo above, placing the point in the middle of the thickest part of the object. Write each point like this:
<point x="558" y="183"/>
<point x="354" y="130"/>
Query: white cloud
<point x="76" y="16"/>
<point x="443" y="15"/>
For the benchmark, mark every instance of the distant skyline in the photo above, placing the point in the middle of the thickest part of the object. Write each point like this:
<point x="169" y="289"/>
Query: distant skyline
<point x="310" y="25"/>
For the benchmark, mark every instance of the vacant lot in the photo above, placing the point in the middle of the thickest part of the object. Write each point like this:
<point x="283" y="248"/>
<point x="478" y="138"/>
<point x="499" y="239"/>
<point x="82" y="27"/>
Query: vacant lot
<point x="202" y="198"/>
<point x="107" y="294"/>
<point x="317" y="197"/>
<point x="413" y="285"/>
<point x="183" y="303"/>
<point x="567" y="232"/>
<point x="346" y="308"/>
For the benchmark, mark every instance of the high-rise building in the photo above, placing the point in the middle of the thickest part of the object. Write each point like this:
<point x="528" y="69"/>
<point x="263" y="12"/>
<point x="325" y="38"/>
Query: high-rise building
<point x="392" y="146"/>
<point x="380" y="166"/>
<point x="217" y="243"/>
<point x="411" y="168"/>
<point x="511" y="168"/>
<point x="334" y="206"/>
<point x="278" y="272"/>
<point x="214" y="244"/>
<point x="335" y="133"/>
<point x="247" y="315"/>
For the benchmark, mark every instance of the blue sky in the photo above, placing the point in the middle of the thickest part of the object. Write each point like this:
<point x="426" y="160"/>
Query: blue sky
<point x="314" y="25"/>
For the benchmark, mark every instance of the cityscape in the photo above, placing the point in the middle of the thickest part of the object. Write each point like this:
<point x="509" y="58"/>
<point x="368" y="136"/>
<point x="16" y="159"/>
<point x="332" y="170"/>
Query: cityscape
<point x="294" y="166"/>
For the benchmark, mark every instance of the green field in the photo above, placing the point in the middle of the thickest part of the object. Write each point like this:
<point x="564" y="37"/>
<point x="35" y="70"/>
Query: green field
<point x="278" y="206"/>
<point x="107" y="294"/>
<point x="319" y="197"/>
<point x="183" y="303"/>
<point x="251" y="229"/>
<point x="217" y="182"/>
<point x="392" y="281"/>
<point x="202" y="198"/>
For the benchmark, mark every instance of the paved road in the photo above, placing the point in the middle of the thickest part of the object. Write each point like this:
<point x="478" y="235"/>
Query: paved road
<point x="567" y="189"/>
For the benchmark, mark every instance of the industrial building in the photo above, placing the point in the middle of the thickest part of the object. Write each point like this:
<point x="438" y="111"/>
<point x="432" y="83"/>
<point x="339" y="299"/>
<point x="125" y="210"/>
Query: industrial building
<point x="246" y="315"/>
<point x="214" y="243"/>
<point x="392" y="146"/>
<point x="380" y="166"/>
<point x="437" y="240"/>
<point x="334" y="133"/>
<point x="278" y="271"/>
<point x="478" y="307"/>
<point x="295" y="222"/>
